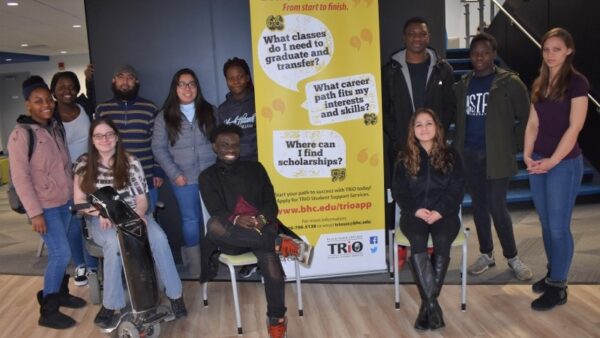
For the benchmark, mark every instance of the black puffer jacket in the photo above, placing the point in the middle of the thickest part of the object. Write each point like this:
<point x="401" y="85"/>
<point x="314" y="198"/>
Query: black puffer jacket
<point x="430" y="189"/>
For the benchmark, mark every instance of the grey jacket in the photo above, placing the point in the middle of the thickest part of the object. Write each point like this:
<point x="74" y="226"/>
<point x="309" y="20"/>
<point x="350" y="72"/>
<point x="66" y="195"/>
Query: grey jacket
<point x="191" y="154"/>
<point x="505" y="121"/>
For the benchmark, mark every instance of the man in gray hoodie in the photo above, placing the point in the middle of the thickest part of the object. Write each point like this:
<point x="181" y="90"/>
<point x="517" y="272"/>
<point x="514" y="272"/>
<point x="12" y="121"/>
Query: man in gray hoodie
<point x="415" y="77"/>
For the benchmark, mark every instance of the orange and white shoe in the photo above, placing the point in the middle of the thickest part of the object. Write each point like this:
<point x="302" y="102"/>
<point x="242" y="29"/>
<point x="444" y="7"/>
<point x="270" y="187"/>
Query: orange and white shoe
<point x="277" y="327"/>
<point x="306" y="253"/>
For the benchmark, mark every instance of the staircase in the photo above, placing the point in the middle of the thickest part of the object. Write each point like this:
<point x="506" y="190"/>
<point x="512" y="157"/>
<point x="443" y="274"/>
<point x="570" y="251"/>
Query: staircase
<point x="518" y="191"/>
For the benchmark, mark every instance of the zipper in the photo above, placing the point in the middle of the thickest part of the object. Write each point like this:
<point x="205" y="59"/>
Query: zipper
<point x="427" y="181"/>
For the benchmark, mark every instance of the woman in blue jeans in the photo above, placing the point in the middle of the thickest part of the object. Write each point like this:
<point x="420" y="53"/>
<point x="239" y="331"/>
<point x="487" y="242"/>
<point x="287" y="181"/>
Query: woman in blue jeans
<point x="41" y="174"/>
<point x="107" y="164"/>
<point x="181" y="147"/>
<point x="554" y="160"/>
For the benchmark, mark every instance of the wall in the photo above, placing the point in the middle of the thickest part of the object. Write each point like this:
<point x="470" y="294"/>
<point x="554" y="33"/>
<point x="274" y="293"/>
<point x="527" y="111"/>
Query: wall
<point x="46" y="69"/>
<point x="159" y="37"/>
<point x="75" y="63"/>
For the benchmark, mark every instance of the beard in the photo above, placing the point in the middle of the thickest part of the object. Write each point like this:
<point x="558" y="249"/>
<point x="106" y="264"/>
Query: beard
<point x="128" y="95"/>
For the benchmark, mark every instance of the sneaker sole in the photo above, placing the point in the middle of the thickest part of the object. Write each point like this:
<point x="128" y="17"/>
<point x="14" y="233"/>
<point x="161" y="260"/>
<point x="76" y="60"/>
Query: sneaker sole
<point x="307" y="255"/>
<point x="523" y="279"/>
<point x="249" y="274"/>
<point x="80" y="283"/>
<point x="475" y="273"/>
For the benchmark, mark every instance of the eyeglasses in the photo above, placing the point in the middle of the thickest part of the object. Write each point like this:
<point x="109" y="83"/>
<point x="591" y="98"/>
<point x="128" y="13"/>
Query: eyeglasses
<point x="188" y="85"/>
<point x="111" y="135"/>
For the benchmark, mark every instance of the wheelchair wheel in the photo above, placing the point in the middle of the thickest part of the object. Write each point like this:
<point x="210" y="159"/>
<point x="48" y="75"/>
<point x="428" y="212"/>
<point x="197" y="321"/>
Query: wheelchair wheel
<point x="127" y="330"/>
<point x="94" y="287"/>
<point x="152" y="331"/>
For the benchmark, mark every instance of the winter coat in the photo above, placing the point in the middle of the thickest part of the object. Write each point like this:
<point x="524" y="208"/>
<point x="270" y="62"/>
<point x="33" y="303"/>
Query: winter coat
<point x="189" y="156"/>
<point x="430" y="189"/>
<point x="506" y="117"/>
<point x="45" y="181"/>
<point x="398" y="101"/>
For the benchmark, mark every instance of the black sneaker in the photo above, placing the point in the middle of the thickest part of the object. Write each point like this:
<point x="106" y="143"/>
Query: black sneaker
<point x="104" y="317"/>
<point x="178" y="307"/>
<point x="80" y="277"/>
<point x="247" y="271"/>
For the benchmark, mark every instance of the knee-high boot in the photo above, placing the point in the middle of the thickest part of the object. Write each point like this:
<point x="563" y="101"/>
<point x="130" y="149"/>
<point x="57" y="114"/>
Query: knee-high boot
<point x="440" y="267"/>
<point x="424" y="278"/>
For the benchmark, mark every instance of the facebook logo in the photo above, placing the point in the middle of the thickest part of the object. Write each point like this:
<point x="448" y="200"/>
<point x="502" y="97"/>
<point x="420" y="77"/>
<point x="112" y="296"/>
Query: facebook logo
<point x="373" y="240"/>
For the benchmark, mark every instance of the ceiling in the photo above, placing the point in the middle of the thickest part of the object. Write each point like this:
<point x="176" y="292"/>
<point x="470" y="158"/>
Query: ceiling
<point x="46" y="26"/>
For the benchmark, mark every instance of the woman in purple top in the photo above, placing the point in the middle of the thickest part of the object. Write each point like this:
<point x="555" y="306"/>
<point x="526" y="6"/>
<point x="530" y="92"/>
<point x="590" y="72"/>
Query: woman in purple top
<point x="553" y="158"/>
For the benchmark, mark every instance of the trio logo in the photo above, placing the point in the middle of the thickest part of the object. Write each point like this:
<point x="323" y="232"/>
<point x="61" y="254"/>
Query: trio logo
<point x="345" y="248"/>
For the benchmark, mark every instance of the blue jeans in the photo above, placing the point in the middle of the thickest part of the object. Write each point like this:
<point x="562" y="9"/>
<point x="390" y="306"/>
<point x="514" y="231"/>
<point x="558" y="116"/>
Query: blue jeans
<point x="79" y="253"/>
<point x="59" y="253"/>
<point x="554" y="195"/>
<point x="188" y="199"/>
<point x="113" y="296"/>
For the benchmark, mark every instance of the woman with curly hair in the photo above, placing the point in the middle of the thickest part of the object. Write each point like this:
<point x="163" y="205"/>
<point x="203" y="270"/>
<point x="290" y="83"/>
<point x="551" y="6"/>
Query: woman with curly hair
<point x="428" y="185"/>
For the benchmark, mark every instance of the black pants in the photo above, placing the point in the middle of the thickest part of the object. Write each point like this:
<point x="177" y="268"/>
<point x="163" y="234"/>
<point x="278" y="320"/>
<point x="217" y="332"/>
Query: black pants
<point x="235" y="240"/>
<point x="489" y="198"/>
<point x="443" y="233"/>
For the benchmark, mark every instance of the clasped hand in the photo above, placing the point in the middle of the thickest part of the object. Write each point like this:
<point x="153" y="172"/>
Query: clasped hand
<point x="539" y="166"/>
<point x="428" y="216"/>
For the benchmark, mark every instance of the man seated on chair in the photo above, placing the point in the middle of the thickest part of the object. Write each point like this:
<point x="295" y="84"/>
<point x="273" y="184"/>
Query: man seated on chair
<point x="240" y="199"/>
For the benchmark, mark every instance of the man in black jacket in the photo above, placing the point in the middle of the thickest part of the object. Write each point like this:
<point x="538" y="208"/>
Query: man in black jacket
<point x="415" y="77"/>
<point x="241" y="201"/>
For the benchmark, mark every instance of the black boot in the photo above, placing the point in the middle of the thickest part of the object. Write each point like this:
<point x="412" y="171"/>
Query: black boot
<point x="552" y="296"/>
<point x="49" y="314"/>
<point x="540" y="286"/>
<point x="68" y="300"/>
<point x="440" y="267"/>
<point x="424" y="278"/>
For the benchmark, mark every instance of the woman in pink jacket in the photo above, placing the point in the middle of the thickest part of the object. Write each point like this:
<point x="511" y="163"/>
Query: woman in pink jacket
<point x="44" y="184"/>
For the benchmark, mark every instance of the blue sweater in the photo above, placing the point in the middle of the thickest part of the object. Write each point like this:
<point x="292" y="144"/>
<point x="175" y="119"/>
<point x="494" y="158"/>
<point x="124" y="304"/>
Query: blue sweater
<point x="135" y="122"/>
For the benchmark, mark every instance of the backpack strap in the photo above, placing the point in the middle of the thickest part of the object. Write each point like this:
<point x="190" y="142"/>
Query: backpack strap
<point x="30" y="138"/>
<point x="31" y="142"/>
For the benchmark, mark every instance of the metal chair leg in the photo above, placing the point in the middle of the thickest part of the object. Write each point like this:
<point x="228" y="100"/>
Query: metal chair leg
<point x="236" y="301"/>
<point x="299" y="289"/>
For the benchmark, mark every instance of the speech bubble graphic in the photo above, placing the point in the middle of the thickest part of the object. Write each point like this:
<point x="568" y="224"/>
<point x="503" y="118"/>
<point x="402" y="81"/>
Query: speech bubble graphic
<point x="355" y="42"/>
<point x="279" y="105"/>
<point x="366" y="35"/>
<point x="308" y="153"/>
<point x="341" y="99"/>
<point x="302" y="49"/>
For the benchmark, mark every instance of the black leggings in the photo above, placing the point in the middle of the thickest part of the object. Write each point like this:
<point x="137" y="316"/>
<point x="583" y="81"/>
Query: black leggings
<point x="443" y="233"/>
<point x="235" y="240"/>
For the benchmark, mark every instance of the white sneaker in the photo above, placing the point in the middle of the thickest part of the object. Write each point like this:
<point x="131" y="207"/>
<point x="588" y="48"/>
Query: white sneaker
<point x="80" y="277"/>
<point x="482" y="264"/>
<point x="521" y="271"/>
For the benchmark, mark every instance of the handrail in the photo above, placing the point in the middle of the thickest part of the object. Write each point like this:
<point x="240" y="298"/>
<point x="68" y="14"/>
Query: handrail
<point x="517" y="24"/>
<point x="514" y="21"/>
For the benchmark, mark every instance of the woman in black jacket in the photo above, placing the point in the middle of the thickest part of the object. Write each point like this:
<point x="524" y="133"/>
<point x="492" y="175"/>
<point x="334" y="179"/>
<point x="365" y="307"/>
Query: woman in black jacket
<point x="428" y="185"/>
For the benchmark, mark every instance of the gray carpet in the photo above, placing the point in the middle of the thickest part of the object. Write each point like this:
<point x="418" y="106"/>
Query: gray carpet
<point x="18" y="244"/>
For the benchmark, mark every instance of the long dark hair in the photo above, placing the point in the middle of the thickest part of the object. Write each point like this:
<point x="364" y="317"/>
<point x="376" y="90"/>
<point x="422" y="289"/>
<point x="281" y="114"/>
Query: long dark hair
<point x="204" y="111"/>
<point x="542" y="88"/>
<point x="237" y="62"/>
<point x="440" y="157"/>
<point x="120" y="164"/>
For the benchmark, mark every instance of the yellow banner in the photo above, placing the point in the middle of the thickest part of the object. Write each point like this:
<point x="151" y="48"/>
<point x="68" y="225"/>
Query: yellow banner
<point x="318" y="102"/>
